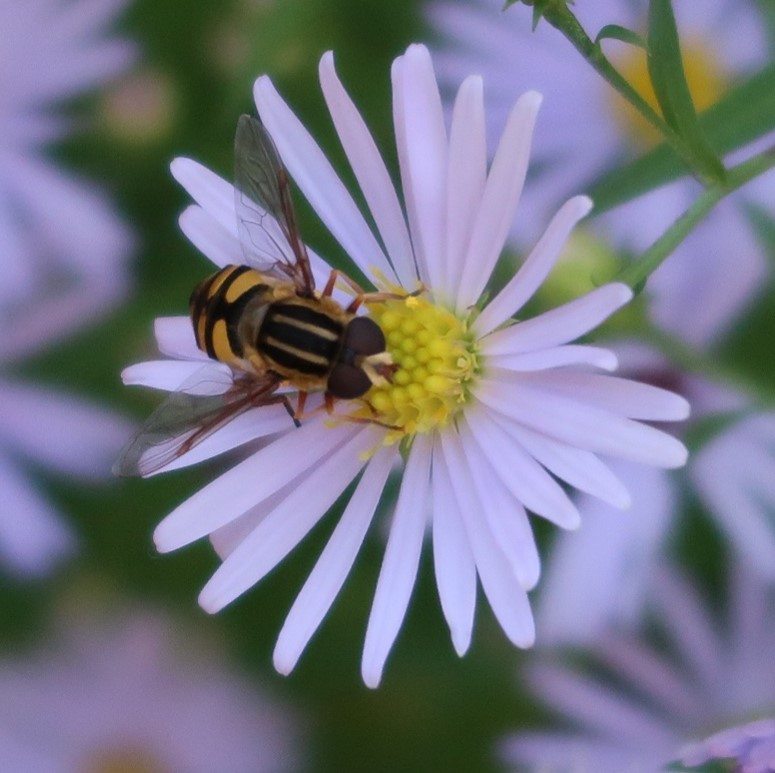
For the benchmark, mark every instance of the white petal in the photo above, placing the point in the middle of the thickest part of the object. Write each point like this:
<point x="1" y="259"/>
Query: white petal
<point x="370" y="171"/>
<point x="556" y="357"/>
<point x="452" y="558"/>
<point x="175" y="338"/>
<point x="519" y="472"/>
<point x="618" y="395"/>
<point x="580" y="425"/>
<point x="422" y="156"/>
<point x="507" y="599"/>
<point x="581" y="469"/>
<point x="326" y="579"/>
<point x="560" y="325"/>
<point x="248" y="483"/>
<point x="499" y="200"/>
<point x="288" y="523"/>
<point x="466" y="176"/>
<point x="535" y="269"/>
<point x="167" y="375"/>
<point x="505" y="516"/>
<point x="399" y="565"/>
<point x="318" y="181"/>
<point x="251" y="425"/>
<point x="211" y="192"/>
<point x="221" y="246"/>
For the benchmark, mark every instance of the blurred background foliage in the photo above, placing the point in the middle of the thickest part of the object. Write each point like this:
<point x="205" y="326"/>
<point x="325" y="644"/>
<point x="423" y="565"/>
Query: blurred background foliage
<point x="193" y="77"/>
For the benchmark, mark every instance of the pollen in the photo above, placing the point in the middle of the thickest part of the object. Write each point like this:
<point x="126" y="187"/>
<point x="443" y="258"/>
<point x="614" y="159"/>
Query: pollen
<point x="436" y="362"/>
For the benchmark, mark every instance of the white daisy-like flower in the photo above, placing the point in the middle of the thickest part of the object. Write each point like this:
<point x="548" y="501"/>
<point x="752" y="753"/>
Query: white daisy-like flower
<point x="721" y="263"/>
<point x="648" y="700"/>
<point x="64" y="246"/>
<point x="63" y="255"/>
<point x="488" y="409"/>
<point x="131" y="692"/>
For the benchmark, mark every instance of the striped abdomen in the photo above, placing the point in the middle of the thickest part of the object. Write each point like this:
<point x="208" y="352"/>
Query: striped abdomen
<point x="301" y="339"/>
<point x="219" y="306"/>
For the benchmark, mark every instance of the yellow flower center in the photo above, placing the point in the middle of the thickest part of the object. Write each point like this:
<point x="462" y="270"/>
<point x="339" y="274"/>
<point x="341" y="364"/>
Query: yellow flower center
<point x="436" y="359"/>
<point x="705" y="77"/>
<point x="125" y="758"/>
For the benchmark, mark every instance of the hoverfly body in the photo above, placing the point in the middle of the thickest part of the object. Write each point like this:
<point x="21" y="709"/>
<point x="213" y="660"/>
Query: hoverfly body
<point x="266" y="321"/>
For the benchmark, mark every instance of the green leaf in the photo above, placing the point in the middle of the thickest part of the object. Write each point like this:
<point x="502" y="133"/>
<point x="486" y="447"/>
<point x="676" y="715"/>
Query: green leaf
<point x="615" y="32"/>
<point x="745" y="113"/>
<point x="672" y="91"/>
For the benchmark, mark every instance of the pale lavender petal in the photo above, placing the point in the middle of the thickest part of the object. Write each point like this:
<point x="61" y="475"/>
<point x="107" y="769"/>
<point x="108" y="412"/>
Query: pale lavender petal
<point x="211" y="192"/>
<point x="560" y="325"/>
<point x="499" y="200"/>
<point x="452" y="558"/>
<point x="167" y="375"/>
<point x="327" y="577"/>
<point x="81" y="439"/>
<point x="535" y="269"/>
<point x="735" y="475"/>
<point x="556" y="357"/>
<point x="400" y="563"/>
<point x="222" y="247"/>
<point x="319" y="182"/>
<point x="422" y="156"/>
<point x="507" y="598"/>
<point x="581" y="425"/>
<point x="175" y="338"/>
<point x="288" y="523"/>
<point x="248" y="483"/>
<point x="527" y="481"/>
<point x="255" y="423"/>
<point x="370" y="171"/>
<point x="32" y="536"/>
<point x="618" y="395"/>
<point x="599" y="576"/>
<point x="581" y="469"/>
<point x="599" y="709"/>
<point x="505" y="515"/>
<point x="466" y="177"/>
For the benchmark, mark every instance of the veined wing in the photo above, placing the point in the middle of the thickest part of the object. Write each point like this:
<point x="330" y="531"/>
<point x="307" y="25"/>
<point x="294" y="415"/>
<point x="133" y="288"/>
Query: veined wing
<point x="266" y="219"/>
<point x="184" y="419"/>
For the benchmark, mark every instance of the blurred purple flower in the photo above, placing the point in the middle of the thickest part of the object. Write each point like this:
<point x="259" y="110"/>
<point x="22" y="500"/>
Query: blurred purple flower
<point x="64" y="250"/>
<point x="64" y="246"/>
<point x="752" y="746"/>
<point x="131" y="691"/>
<point x="647" y="698"/>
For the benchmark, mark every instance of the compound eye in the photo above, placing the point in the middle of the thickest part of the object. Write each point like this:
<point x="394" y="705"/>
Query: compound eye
<point x="347" y="382"/>
<point x="364" y="336"/>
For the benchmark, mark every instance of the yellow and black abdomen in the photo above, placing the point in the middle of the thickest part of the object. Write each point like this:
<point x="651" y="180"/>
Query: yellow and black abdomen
<point x="218" y="307"/>
<point x="297" y="338"/>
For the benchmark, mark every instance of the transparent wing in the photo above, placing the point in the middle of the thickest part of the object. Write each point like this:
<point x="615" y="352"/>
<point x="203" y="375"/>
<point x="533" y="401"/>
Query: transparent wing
<point x="265" y="217"/>
<point x="185" y="419"/>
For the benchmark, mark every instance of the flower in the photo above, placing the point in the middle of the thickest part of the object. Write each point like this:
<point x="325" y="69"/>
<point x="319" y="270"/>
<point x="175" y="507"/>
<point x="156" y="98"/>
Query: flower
<point x="62" y="241"/>
<point x="132" y="691"/>
<point x="752" y="746"/>
<point x="649" y="698"/>
<point x="63" y="253"/>
<point x="486" y="408"/>
<point x="720" y="266"/>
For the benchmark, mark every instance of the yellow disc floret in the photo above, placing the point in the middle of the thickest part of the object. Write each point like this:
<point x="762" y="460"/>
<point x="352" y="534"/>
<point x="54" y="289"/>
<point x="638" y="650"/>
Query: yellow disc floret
<point x="435" y="358"/>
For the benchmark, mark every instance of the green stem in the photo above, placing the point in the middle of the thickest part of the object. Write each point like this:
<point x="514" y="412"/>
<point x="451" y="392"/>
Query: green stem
<point x="637" y="273"/>
<point x="559" y="16"/>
